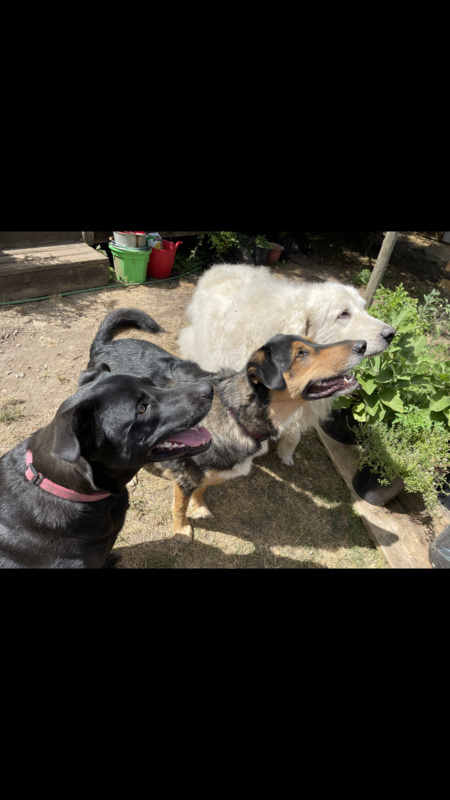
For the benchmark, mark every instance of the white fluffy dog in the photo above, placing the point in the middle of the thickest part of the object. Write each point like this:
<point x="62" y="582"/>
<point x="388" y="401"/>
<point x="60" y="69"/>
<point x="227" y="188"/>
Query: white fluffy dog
<point x="237" y="308"/>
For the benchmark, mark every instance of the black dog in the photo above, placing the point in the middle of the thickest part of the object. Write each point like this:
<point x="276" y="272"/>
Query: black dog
<point x="97" y="442"/>
<point x="249" y="407"/>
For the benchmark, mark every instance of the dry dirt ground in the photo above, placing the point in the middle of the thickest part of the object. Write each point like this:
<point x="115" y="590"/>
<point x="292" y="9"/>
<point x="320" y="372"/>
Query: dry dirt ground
<point x="412" y="263"/>
<point x="278" y="517"/>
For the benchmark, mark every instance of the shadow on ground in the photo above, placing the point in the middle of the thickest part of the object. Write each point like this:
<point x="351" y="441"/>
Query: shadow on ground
<point x="299" y="518"/>
<point x="201" y="556"/>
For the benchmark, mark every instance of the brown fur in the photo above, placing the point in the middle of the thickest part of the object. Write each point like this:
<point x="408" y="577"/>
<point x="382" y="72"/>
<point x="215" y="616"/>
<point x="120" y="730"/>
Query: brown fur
<point x="284" y="404"/>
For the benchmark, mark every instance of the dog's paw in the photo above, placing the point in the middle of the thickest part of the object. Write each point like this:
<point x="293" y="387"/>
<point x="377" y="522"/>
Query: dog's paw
<point x="185" y="535"/>
<point x="288" y="460"/>
<point x="199" y="512"/>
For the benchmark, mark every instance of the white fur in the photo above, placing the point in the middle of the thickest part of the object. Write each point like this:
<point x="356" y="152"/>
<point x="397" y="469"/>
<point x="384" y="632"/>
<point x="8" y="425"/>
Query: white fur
<point x="236" y="309"/>
<point x="244" y="469"/>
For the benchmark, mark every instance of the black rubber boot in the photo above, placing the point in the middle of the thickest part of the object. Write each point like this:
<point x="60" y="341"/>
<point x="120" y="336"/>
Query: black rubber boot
<point x="440" y="550"/>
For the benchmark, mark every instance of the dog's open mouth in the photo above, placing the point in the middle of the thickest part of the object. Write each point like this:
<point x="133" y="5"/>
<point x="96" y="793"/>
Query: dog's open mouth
<point x="191" y="442"/>
<point x="331" y="387"/>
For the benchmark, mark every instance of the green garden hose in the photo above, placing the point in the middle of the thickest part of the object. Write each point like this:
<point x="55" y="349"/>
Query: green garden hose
<point x="98" y="288"/>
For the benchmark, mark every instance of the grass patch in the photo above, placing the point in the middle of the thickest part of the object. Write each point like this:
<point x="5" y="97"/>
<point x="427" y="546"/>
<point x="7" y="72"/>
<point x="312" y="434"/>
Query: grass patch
<point x="58" y="376"/>
<point x="304" y="449"/>
<point x="277" y="518"/>
<point x="160" y="561"/>
<point x="10" y="410"/>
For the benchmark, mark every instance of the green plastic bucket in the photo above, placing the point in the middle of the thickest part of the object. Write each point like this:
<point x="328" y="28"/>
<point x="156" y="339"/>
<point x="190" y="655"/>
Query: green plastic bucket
<point x="131" y="265"/>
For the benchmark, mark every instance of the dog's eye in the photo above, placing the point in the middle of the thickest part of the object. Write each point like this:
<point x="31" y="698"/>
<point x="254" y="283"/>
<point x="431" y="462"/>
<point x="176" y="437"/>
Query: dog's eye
<point x="142" y="408"/>
<point x="301" y="354"/>
<point x="344" y="315"/>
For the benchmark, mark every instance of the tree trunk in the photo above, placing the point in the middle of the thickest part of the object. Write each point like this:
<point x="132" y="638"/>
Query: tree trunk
<point x="381" y="265"/>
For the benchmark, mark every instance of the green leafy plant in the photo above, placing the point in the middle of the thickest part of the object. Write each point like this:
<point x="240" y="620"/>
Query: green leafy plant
<point x="362" y="278"/>
<point x="435" y="313"/>
<point x="388" y="301"/>
<point x="414" y="372"/>
<point x="262" y="241"/>
<point x="211" y="245"/>
<point x="414" y="448"/>
<point x="245" y="241"/>
<point x="222" y="241"/>
<point x="404" y="399"/>
<point x="112" y="275"/>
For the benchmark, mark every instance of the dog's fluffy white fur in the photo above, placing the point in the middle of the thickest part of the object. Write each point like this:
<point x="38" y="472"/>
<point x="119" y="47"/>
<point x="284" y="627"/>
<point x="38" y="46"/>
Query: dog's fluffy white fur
<point x="237" y="308"/>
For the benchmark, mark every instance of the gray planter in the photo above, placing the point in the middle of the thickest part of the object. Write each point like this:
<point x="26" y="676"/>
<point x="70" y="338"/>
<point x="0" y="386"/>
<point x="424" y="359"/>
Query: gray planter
<point x="367" y="486"/>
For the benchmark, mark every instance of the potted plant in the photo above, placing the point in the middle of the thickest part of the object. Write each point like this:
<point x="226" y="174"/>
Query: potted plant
<point x="275" y="253"/>
<point x="287" y="242"/>
<point x="261" y="250"/>
<point x="410" y="454"/>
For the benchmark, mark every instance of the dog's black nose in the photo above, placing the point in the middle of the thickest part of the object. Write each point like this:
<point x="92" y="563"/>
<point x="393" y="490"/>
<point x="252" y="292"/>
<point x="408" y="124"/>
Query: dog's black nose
<point x="360" y="347"/>
<point x="388" y="334"/>
<point x="206" y="390"/>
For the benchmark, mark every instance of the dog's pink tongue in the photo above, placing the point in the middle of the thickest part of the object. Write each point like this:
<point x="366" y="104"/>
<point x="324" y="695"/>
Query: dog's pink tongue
<point x="193" y="437"/>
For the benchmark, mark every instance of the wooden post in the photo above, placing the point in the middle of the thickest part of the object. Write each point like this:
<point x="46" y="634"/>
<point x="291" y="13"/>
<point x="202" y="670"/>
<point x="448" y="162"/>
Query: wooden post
<point x="381" y="265"/>
<point x="88" y="237"/>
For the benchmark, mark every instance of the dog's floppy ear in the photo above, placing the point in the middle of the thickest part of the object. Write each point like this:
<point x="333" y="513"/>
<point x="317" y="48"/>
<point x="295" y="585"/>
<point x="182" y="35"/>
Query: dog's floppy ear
<point x="91" y="375"/>
<point x="261" y="369"/>
<point x="76" y="425"/>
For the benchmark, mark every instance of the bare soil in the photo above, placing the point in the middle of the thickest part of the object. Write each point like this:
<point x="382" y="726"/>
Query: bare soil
<point x="412" y="263"/>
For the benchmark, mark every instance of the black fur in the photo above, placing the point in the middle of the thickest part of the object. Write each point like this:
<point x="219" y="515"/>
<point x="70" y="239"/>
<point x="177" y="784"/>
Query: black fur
<point x="98" y="441"/>
<point x="137" y="357"/>
<point x="120" y="320"/>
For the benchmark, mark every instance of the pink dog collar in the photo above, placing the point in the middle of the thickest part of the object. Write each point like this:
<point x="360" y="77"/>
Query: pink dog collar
<point x="35" y="477"/>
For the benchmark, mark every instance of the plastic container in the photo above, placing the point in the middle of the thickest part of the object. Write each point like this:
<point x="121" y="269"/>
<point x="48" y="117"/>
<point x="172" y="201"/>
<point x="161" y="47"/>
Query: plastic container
<point x="130" y="265"/>
<point x="440" y="550"/>
<point x="367" y="486"/>
<point x="154" y="240"/>
<point x="274" y="255"/>
<point x="287" y="243"/>
<point x="341" y="426"/>
<point x="260" y="256"/>
<point x="125" y="246"/>
<point x="131" y="238"/>
<point x="161" y="261"/>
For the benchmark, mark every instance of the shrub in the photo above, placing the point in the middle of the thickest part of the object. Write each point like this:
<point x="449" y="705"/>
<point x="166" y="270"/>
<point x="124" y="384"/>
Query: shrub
<point x="413" y="448"/>
<point x="413" y="373"/>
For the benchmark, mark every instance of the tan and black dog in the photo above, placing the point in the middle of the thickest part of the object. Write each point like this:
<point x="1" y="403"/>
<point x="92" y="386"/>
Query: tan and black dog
<point x="249" y="407"/>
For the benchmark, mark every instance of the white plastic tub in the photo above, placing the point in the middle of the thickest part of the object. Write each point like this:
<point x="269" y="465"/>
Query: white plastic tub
<point x="130" y="239"/>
